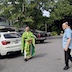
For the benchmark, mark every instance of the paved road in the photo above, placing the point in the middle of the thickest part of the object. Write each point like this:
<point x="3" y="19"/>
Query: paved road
<point x="49" y="58"/>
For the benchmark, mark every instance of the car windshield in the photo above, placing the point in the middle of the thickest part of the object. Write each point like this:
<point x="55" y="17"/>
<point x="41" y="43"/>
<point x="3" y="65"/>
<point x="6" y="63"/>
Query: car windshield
<point x="12" y="35"/>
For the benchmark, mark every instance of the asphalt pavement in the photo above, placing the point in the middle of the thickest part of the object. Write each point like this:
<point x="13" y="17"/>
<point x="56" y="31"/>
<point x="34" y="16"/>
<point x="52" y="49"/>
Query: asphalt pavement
<point x="49" y="58"/>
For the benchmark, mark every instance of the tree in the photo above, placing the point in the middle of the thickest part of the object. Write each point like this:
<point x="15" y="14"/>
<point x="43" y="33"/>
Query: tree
<point x="29" y="12"/>
<point x="62" y="8"/>
<point x="58" y="10"/>
<point x="25" y="12"/>
<point x="14" y="12"/>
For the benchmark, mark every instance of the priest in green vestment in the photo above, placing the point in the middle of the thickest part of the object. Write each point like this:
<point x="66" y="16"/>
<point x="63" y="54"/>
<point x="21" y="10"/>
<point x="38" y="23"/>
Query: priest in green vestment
<point x="28" y="44"/>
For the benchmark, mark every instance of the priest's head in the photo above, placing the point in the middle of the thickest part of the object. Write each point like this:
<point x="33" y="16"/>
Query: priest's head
<point x="27" y="28"/>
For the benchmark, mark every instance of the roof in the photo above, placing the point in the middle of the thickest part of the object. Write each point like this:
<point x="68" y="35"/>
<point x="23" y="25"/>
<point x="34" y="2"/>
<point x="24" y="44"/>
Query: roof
<point x="2" y="27"/>
<point x="7" y="32"/>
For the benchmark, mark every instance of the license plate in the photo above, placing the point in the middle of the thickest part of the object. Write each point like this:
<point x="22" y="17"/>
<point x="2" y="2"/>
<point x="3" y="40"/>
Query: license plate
<point x="16" y="41"/>
<point x="41" y="38"/>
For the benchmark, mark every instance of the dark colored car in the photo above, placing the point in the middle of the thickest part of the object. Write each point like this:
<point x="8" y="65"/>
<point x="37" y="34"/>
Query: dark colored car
<point x="6" y="29"/>
<point x="39" y="36"/>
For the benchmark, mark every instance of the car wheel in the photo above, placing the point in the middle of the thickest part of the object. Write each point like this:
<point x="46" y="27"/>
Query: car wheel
<point x="0" y="56"/>
<point x="42" y="41"/>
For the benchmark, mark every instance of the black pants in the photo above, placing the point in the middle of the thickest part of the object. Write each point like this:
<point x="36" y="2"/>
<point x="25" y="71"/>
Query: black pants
<point x="67" y="57"/>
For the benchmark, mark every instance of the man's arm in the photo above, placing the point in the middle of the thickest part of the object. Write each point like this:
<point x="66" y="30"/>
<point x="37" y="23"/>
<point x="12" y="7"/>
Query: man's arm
<point x="68" y="39"/>
<point x="68" y="43"/>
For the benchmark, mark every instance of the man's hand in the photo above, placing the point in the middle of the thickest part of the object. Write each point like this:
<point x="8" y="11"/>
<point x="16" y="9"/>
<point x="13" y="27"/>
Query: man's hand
<point x="66" y="48"/>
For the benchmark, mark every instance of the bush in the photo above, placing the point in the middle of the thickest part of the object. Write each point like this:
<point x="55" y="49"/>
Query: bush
<point x="54" y="33"/>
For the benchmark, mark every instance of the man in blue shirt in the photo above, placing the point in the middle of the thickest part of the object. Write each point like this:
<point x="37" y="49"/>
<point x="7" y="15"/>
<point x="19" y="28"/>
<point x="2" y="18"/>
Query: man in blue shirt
<point x="67" y="43"/>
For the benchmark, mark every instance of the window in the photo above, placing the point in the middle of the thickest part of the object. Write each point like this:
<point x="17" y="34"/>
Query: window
<point x="12" y="35"/>
<point x="7" y="29"/>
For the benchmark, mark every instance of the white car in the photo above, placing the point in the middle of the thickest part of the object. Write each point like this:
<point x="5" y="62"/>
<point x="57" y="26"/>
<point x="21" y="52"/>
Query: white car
<point x="9" y="42"/>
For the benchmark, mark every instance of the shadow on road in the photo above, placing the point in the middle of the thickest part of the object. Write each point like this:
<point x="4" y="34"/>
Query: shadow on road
<point x="43" y="43"/>
<point x="40" y="55"/>
<point x="13" y="55"/>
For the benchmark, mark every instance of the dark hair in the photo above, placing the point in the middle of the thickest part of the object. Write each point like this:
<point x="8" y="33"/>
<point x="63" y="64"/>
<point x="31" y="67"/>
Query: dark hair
<point x="27" y="26"/>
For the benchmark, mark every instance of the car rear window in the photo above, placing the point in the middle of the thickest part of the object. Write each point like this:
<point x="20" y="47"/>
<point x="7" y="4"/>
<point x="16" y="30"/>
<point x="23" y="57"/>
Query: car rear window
<point x="12" y="35"/>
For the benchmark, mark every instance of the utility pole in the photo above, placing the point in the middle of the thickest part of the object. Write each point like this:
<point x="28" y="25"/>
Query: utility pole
<point x="22" y="12"/>
<point x="46" y="27"/>
<point x="23" y="7"/>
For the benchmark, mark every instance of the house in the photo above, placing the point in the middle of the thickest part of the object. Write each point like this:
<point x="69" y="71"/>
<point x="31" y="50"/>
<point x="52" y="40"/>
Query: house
<point x="5" y="25"/>
<point x="4" y="22"/>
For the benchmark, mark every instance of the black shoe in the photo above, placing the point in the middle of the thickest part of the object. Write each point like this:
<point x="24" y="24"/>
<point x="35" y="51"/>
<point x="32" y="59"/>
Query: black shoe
<point x="26" y="59"/>
<point x="66" y="68"/>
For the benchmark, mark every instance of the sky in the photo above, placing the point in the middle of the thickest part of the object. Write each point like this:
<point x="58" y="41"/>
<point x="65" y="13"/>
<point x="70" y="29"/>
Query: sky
<point x="46" y="13"/>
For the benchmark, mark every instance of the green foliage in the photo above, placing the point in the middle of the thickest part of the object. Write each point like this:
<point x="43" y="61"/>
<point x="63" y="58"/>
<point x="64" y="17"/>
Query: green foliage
<point x="26" y="12"/>
<point x="54" y="28"/>
<point x="61" y="9"/>
<point x="30" y="12"/>
<point x="54" y="33"/>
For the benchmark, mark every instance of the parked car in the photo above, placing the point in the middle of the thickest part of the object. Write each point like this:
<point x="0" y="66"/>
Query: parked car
<point x="9" y="42"/>
<point x="49" y="34"/>
<point x="21" y="31"/>
<point x="40" y="36"/>
<point x="6" y="29"/>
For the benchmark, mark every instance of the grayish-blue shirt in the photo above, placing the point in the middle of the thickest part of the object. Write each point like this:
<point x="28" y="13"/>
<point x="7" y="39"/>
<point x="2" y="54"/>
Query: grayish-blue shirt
<point x="67" y="34"/>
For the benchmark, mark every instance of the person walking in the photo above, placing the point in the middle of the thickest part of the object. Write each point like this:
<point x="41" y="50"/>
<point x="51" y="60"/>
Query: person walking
<point x="28" y="44"/>
<point x="67" y="44"/>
